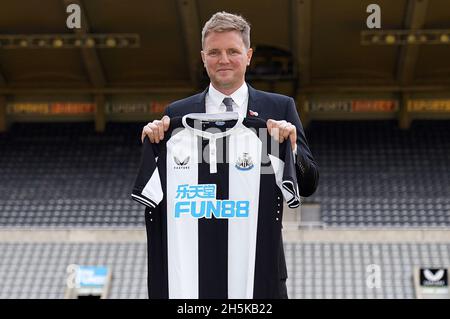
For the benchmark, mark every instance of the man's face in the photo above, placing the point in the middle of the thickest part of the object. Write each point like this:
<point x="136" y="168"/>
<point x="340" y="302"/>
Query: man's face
<point x="225" y="58"/>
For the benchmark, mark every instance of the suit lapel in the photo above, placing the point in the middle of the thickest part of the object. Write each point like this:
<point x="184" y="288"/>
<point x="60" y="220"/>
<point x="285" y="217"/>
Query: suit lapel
<point x="200" y="106"/>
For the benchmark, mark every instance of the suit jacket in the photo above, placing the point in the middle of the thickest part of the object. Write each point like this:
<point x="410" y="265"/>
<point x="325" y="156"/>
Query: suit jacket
<point x="268" y="106"/>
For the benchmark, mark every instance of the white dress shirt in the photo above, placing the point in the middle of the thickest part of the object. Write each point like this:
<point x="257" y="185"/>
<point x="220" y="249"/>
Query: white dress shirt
<point x="214" y="98"/>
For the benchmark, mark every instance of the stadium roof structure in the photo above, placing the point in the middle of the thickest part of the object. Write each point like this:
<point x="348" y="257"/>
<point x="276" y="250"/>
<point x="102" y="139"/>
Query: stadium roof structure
<point x="323" y="37"/>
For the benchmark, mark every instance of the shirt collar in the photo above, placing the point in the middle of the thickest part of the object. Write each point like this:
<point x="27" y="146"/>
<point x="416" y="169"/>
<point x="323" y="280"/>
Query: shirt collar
<point x="239" y="96"/>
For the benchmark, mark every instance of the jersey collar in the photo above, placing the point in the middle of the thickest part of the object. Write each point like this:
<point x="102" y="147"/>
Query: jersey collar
<point x="227" y="116"/>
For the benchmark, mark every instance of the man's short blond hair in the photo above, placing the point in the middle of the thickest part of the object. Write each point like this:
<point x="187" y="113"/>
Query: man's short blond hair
<point x="224" y="21"/>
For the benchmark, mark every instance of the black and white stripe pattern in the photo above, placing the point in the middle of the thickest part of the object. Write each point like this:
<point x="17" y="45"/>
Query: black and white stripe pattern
<point x="213" y="257"/>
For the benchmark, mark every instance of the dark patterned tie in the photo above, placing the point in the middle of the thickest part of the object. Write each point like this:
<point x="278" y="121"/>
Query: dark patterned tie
<point x="228" y="101"/>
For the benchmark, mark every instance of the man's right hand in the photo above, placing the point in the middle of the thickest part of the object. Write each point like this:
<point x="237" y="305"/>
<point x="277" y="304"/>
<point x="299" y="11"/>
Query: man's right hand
<point x="155" y="130"/>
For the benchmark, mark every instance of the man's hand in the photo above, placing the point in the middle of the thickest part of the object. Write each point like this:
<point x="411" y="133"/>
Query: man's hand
<point x="282" y="130"/>
<point x="155" y="130"/>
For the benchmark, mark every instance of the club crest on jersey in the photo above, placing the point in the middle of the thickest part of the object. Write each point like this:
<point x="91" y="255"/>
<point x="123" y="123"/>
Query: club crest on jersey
<point x="181" y="164"/>
<point x="244" y="162"/>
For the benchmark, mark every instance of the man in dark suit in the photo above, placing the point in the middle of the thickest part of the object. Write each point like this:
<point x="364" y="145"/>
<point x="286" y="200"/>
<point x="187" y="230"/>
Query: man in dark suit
<point x="226" y="53"/>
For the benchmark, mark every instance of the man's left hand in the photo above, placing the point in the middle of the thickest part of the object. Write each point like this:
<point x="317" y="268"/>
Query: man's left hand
<point x="283" y="130"/>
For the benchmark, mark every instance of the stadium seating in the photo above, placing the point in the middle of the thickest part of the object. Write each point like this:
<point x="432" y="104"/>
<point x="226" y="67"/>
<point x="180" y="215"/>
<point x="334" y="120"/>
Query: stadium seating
<point x="68" y="175"/>
<point x="316" y="270"/>
<point x="372" y="174"/>
<point x="339" y="270"/>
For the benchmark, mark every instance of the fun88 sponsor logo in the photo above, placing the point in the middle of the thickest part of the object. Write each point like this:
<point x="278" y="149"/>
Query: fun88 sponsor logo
<point x="199" y="201"/>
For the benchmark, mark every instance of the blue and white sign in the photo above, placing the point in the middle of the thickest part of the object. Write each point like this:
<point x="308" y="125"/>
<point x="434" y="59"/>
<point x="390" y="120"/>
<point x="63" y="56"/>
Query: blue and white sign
<point x="91" y="276"/>
<point x="87" y="281"/>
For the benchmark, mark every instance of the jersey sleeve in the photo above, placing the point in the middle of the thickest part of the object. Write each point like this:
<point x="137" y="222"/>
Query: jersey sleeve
<point x="147" y="188"/>
<point x="283" y="163"/>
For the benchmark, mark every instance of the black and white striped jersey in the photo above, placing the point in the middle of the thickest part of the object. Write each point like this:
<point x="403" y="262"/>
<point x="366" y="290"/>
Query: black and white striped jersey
<point x="214" y="190"/>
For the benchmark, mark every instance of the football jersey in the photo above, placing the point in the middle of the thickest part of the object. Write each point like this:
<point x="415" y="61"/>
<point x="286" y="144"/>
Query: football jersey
<point x="213" y="191"/>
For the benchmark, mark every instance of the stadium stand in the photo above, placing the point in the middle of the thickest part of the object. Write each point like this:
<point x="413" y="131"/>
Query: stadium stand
<point x="316" y="270"/>
<point x="372" y="174"/>
<point x="59" y="175"/>
<point x="375" y="175"/>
